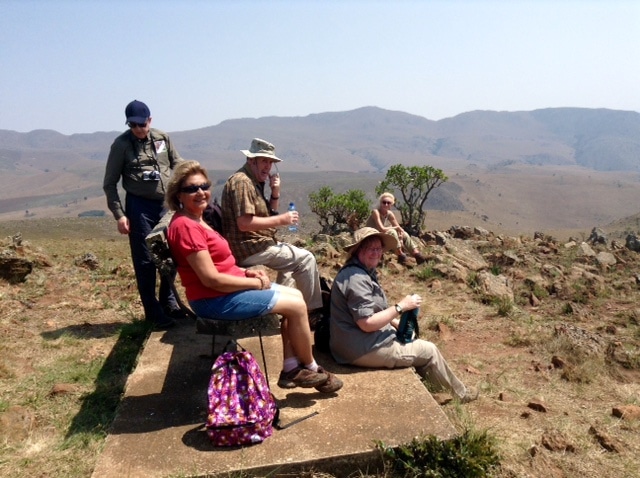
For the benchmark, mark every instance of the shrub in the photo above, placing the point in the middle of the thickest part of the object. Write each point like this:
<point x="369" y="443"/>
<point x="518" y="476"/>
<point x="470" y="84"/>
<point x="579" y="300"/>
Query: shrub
<point x="414" y="183"/>
<point x="337" y="211"/>
<point x="468" y="455"/>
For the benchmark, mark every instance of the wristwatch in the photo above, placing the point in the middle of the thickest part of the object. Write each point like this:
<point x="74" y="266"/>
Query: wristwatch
<point x="398" y="309"/>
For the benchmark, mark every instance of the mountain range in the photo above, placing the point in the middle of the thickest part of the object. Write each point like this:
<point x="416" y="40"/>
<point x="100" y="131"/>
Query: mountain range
<point x="43" y="168"/>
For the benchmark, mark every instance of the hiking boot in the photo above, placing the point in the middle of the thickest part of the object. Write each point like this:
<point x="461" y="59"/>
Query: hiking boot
<point x="420" y="259"/>
<point x="301" y="377"/>
<point x="163" y="323"/>
<point x="176" y="313"/>
<point x="315" y="316"/>
<point x="470" y="395"/>
<point x="333" y="383"/>
<point x="402" y="259"/>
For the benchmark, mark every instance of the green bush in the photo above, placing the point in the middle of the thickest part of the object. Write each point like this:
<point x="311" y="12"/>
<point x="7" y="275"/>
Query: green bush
<point x="469" y="455"/>
<point x="337" y="211"/>
<point x="414" y="184"/>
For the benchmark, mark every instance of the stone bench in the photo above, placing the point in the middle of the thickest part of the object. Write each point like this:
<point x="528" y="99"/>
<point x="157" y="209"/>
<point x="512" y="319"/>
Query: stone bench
<point x="223" y="332"/>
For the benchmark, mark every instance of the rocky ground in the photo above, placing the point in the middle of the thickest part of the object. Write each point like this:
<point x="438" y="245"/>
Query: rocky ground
<point x="548" y="330"/>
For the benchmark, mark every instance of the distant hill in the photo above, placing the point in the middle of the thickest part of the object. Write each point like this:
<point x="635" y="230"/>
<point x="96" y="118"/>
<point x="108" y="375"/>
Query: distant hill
<point x="495" y="160"/>
<point x="370" y="139"/>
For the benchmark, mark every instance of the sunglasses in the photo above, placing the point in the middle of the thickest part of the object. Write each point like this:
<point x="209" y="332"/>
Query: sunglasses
<point x="136" y="125"/>
<point x="387" y="203"/>
<point x="195" y="187"/>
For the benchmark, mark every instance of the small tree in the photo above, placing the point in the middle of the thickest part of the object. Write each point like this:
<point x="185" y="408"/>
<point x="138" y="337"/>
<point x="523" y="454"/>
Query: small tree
<point x="414" y="183"/>
<point x="336" y="210"/>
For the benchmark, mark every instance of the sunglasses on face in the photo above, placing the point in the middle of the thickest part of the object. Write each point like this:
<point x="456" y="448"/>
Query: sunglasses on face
<point x="192" y="189"/>
<point x="387" y="203"/>
<point x="136" y="125"/>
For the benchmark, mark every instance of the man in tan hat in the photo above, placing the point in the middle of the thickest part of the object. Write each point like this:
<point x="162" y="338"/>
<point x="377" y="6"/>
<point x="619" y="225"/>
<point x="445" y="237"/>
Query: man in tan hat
<point x="363" y="325"/>
<point x="250" y="221"/>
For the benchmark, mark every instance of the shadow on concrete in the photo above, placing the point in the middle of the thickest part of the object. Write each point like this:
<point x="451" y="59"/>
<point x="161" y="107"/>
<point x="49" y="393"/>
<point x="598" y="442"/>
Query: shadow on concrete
<point x="98" y="408"/>
<point x="159" y="429"/>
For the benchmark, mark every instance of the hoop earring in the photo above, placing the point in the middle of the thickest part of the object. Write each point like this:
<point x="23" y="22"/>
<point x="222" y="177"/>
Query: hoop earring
<point x="181" y="205"/>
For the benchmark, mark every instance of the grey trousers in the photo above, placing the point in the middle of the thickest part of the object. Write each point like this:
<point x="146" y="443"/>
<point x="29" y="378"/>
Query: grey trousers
<point x="421" y="354"/>
<point x="296" y="268"/>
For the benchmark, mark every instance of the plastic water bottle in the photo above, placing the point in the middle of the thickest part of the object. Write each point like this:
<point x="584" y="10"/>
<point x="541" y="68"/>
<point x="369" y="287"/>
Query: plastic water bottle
<point x="292" y="227"/>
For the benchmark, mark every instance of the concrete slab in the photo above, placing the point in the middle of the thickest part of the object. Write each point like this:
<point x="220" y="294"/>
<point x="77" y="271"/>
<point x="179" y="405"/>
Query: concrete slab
<point x="158" y="430"/>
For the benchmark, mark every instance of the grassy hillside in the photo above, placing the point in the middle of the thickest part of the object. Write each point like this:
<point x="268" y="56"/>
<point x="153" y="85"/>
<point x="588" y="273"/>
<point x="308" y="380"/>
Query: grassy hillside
<point x="553" y="363"/>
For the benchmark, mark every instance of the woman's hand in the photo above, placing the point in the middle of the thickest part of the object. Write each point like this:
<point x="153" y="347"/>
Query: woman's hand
<point x="410" y="302"/>
<point x="259" y="274"/>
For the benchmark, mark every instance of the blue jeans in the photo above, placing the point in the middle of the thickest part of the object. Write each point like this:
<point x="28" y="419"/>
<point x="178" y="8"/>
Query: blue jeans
<point x="143" y="215"/>
<point x="239" y="305"/>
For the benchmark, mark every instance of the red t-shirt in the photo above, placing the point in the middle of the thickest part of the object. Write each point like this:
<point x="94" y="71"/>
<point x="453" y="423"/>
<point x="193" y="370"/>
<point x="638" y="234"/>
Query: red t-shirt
<point x="186" y="237"/>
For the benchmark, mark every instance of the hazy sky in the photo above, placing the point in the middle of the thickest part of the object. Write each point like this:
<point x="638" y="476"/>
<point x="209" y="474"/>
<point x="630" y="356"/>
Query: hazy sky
<point x="72" y="66"/>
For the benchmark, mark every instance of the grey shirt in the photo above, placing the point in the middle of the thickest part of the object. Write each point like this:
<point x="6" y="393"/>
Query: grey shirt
<point x="130" y="158"/>
<point x="356" y="294"/>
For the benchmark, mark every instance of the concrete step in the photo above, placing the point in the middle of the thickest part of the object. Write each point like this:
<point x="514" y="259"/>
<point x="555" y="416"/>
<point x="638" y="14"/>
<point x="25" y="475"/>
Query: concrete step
<point x="158" y="430"/>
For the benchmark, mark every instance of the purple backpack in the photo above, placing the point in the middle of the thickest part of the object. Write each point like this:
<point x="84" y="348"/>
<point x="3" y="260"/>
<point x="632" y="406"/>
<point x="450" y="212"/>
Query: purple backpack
<point x="242" y="410"/>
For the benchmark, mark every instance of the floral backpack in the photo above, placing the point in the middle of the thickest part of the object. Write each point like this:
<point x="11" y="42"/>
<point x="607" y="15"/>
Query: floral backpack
<point x="242" y="410"/>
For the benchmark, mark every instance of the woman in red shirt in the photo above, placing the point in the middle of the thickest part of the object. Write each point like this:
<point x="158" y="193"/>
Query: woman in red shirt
<point x="217" y="288"/>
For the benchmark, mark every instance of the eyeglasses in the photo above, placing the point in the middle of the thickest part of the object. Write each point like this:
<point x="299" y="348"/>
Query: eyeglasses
<point x="136" y="125"/>
<point x="192" y="189"/>
<point x="374" y="250"/>
<point x="387" y="203"/>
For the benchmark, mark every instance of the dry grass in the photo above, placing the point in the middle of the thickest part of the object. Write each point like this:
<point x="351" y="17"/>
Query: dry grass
<point x="65" y="325"/>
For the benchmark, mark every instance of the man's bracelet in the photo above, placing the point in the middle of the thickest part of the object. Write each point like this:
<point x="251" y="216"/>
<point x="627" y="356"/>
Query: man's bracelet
<point x="274" y="197"/>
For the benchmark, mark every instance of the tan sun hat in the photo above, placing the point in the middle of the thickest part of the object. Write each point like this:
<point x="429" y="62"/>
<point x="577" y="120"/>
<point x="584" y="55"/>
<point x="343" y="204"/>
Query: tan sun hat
<point x="388" y="242"/>
<point x="261" y="149"/>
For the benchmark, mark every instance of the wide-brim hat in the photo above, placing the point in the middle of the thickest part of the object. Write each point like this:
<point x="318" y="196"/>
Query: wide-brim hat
<point x="388" y="242"/>
<point x="261" y="149"/>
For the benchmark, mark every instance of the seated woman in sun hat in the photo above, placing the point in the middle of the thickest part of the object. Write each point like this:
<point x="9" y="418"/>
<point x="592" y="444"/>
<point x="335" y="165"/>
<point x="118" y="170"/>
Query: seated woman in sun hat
<point x="217" y="288"/>
<point x="384" y="220"/>
<point x="363" y="324"/>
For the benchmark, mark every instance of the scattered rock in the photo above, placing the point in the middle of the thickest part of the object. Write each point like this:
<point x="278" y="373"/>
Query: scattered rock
<point x="627" y="412"/>
<point x="63" y="389"/>
<point x="606" y="259"/>
<point x="14" y="269"/>
<point x="494" y="286"/>
<point x="505" y="397"/>
<point x="558" y="362"/>
<point x="538" y="405"/>
<point x="435" y="285"/>
<point x="606" y="441"/>
<point x="444" y="331"/>
<point x="88" y="261"/>
<point x="533" y="300"/>
<point x="597" y="236"/>
<point x="555" y="440"/>
<point x="590" y="343"/>
<point x="584" y="250"/>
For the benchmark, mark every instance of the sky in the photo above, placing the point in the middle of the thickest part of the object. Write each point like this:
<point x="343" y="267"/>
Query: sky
<point x="73" y="65"/>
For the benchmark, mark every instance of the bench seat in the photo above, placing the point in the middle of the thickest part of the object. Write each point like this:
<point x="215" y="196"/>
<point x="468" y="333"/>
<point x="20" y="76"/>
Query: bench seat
<point x="222" y="331"/>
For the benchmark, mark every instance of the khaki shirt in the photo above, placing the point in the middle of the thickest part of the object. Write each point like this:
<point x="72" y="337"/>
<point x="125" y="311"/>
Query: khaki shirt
<point x="243" y="194"/>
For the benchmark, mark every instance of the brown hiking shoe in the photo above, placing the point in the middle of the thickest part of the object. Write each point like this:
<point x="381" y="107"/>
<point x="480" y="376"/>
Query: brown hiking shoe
<point x="402" y="259"/>
<point x="332" y="385"/>
<point x="420" y="259"/>
<point x="301" y="377"/>
<point x="470" y="395"/>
